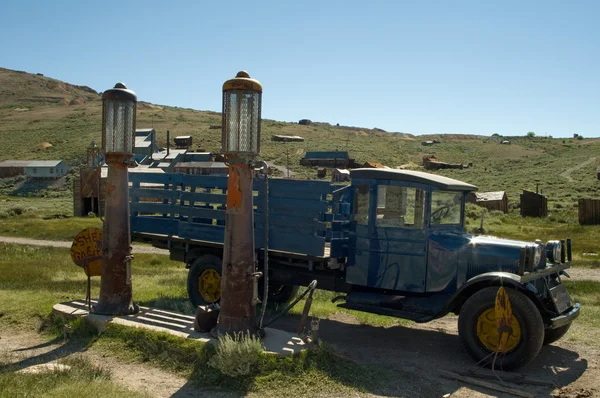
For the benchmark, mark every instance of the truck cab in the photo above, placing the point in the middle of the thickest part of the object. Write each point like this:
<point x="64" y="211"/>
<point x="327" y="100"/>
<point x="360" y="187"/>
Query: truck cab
<point x="409" y="256"/>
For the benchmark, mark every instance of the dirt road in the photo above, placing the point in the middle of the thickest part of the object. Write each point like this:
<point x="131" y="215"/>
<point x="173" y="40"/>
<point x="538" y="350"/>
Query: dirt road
<point x="567" y="173"/>
<point x="143" y="249"/>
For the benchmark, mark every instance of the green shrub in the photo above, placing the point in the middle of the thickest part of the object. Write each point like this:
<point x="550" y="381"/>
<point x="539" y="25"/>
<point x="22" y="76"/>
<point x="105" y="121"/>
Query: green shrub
<point x="238" y="355"/>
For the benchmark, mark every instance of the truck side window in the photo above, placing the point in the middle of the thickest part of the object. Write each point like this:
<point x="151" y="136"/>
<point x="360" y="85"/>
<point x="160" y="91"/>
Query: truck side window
<point x="445" y="207"/>
<point x="400" y="207"/>
<point x="361" y="204"/>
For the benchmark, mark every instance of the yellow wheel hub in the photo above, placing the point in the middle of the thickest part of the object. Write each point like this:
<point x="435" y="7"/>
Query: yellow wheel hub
<point x="487" y="333"/>
<point x="209" y="285"/>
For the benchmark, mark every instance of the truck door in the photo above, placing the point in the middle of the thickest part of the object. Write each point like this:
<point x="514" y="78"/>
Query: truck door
<point x="388" y="245"/>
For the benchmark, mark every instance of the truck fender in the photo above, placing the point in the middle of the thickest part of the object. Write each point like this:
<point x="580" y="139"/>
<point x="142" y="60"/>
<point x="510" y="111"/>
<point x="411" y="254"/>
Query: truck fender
<point x="481" y="281"/>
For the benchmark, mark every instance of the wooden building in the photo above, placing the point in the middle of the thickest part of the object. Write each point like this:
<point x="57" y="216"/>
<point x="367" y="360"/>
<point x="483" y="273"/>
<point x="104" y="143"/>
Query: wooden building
<point x="13" y="168"/>
<point x="533" y="204"/>
<point x="490" y="200"/>
<point x="589" y="211"/>
<point x="46" y="169"/>
<point x="341" y="175"/>
<point x="326" y="159"/>
<point x="89" y="190"/>
<point x="183" y="141"/>
<point x="202" y="168"/>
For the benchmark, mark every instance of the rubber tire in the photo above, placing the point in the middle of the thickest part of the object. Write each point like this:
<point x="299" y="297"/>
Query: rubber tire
<point x="526" y="313"/>
<point x="284" y="293"/>
<point x="207" y="261"/>
<point x="552" y="335"/>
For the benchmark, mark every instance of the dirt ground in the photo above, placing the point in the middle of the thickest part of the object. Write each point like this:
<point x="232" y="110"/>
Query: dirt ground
<point x="416" y="354"/>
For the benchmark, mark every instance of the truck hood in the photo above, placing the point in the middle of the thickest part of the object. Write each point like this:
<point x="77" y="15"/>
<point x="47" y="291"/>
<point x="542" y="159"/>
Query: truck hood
<point x="488" y="254"/>
<point x="498" y="242"/>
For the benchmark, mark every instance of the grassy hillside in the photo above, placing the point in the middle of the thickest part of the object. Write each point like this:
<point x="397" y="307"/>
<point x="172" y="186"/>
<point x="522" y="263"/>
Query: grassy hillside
<point x="36" y="111"/>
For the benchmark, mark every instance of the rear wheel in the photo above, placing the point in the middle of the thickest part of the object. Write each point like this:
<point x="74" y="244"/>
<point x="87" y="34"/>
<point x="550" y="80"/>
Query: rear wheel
<point x="553" y="335"/>
<point x="204" y="280"/>
<point x="278" y="293"/>
<point x="479" y="336"/>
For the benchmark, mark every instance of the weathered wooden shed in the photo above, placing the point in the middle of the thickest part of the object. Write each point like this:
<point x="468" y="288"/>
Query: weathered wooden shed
<point x="533" y="204"/>
<point x="490" y="200"/>
<point x="13" y="168"/>
<point x="341" y="175"/>
<point x="46" y="169"/>
<point x="589" y="211"/>
<point x="183" y="141"/>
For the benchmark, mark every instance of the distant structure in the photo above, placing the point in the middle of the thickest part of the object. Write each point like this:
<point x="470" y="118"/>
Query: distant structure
<point x="305" y="122"/>
<point x="490" y="200"/>
<point x="13" y="168"/>
<point x="145" y="145"/>
<point x="505" y="142"/>
<point x="327" y="159"/>
<point x="46" y="169"/>
<point x="373" y="165"/>
<point x="183" y="141"/>
<point x="321" y="172"/>
<point x="589" y="211"/>
<point x="202" y="168"/>
<point x="429" y="143"/>
<point x="287" y="138"/>
<point x="533" y="204"/>
<point x="341" y="175"/>
<point x="432" y="163"/>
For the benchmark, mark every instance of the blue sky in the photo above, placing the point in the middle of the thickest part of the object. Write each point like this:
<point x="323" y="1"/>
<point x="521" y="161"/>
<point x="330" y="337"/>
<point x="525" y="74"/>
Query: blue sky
<point x="477" y="67"/>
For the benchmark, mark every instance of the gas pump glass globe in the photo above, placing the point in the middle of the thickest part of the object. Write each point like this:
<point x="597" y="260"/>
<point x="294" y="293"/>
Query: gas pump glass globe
<point x="241" y="115"/>
<point x="118" y="121"/>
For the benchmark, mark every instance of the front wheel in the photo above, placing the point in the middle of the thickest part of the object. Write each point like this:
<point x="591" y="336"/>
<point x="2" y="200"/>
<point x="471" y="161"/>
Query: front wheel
<point x="553" y="335"/>
<point x="479" y="336"/>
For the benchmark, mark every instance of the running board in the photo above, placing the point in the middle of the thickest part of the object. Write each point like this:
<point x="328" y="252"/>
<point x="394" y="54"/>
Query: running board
<point x="412" y="316"/>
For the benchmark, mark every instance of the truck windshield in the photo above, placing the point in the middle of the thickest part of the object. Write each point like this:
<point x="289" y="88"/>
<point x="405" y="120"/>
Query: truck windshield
<point x="445" y="207"/>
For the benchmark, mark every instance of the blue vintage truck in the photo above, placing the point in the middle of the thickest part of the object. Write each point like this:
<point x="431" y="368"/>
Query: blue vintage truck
<point x="393" y="242"/>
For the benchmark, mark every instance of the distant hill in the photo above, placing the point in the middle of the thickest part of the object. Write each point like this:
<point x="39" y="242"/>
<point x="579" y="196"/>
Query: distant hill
<point x="36" y="111"/>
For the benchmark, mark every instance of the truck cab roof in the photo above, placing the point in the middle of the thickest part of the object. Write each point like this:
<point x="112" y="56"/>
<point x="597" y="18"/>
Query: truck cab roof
<point x="418" y="177"/>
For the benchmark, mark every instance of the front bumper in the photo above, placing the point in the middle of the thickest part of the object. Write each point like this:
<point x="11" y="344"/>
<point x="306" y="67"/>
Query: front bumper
<point x="566" y="318"/>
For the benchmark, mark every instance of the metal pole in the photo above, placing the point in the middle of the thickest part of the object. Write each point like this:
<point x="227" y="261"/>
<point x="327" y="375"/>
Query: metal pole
<point x="115" y="285"/>
<point x="237" y="312"/>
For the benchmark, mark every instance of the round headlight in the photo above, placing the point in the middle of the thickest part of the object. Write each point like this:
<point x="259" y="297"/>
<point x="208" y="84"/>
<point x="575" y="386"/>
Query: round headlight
<point x="537" y="257"/>
<point x="553" y="248"/>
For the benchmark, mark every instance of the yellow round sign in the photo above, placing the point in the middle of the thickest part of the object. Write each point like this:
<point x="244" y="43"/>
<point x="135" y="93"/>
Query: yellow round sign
<point x="86" y="251"/>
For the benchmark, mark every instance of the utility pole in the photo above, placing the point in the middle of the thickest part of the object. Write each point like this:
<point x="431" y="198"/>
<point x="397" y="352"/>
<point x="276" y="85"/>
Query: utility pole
<point x="241" y="145"/>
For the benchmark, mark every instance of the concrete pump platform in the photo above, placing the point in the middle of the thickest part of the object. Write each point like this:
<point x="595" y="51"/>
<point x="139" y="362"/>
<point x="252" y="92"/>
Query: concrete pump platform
<point x="275" y="341"/>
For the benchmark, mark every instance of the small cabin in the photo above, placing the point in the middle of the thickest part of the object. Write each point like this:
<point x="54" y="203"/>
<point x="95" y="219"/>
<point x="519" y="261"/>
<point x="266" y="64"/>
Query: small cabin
<point x="533" y="204"/>
<point x="490" y="200"/>
<point x="183" y="141"/>
<point x="341" y="175"/>
<point x="46" y="169"/>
